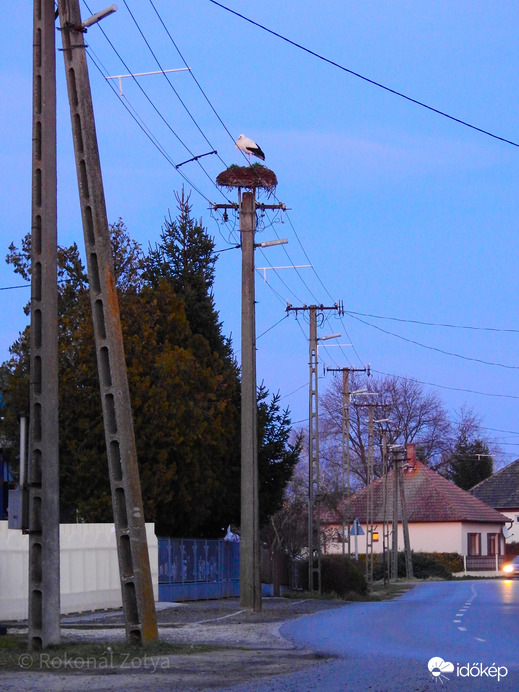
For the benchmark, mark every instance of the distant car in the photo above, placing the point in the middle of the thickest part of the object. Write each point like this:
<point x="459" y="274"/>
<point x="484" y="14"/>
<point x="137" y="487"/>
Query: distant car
<point x="511" y="569"/>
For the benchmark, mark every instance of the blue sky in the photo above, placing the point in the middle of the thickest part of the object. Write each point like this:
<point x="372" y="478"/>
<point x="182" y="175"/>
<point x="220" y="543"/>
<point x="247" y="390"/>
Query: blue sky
<point x="402" y="213"/>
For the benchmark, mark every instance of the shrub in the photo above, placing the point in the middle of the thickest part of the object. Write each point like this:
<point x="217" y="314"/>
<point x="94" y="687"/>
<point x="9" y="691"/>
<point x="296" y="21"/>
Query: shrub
<point x="453" y="562"/>
<point x="425" y="565"/>
<point x="339" y="575"/>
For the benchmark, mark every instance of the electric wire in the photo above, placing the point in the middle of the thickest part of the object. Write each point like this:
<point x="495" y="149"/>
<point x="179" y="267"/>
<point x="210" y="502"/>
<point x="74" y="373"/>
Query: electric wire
<point x="155" y="108"/>
<point x="139" y="29"/>
<point x="447" y="387"/>
<point x="367" y="79"/>
<point x="230" y="135"/>
<point x="432" y="324"/>
<point x="191" y="71"/>
<point x="303" y="249"/>
<point x="438" y="350"/>
<point x="146" y="130"/>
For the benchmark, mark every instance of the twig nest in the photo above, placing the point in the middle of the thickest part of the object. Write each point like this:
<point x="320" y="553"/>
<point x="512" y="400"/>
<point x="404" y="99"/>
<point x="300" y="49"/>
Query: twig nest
<point x="250" y="177"/>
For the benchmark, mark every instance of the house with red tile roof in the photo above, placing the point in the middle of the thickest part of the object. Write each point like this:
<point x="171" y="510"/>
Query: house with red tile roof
<point x="441" y="516"/>
<point x="501" y="491"/>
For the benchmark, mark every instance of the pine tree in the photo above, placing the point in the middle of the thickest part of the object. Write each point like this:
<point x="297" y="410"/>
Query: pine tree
<point x="470" y="463"/>
<point x="185" y="258"/>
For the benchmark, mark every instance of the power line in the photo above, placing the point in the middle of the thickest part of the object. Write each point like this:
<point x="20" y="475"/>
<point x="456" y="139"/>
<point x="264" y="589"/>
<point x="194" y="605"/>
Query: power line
<point x="431" y="324"/>
<point x="367" y="79"/>
<point x="435" y="348"/>
<point x="155" y="108"/>
<point x="11" y="288"/>
<point x="443" y="386"/>
<point x="168" y="79"/>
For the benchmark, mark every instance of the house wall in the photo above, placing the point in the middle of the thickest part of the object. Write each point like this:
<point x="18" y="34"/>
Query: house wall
<point x="89" y="569"/>
<point x="428" y="537"/>
<point x="513" y="515"/>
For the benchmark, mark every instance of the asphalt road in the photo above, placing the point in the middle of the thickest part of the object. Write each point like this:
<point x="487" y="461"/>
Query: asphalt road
<point x="384" y="647"/>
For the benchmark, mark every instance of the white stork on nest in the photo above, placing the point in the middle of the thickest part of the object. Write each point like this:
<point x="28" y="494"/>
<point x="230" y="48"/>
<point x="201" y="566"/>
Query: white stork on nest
<point x="249" y="147"/>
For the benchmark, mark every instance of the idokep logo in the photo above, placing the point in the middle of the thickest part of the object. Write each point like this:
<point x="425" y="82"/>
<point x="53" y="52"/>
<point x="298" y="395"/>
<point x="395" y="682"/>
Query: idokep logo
<point x="439" y="667"/>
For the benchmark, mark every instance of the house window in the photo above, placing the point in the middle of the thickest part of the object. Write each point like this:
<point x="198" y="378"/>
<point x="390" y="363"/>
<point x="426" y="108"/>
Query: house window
<point x="492" y="544"/>
<point x="474" y="544"/>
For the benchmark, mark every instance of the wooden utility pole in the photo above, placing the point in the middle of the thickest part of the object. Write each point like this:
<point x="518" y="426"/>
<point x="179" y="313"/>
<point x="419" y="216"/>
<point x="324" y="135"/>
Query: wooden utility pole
<point x="130" y="530"/>
<point x="314" y="473"/>
<point x="250" y="556"/>
<point x="43" y="467"/>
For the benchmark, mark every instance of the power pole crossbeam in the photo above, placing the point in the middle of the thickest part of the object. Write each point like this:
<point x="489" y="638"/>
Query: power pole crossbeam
<point x="43" y="468"/>
<point x="132" y="548"/>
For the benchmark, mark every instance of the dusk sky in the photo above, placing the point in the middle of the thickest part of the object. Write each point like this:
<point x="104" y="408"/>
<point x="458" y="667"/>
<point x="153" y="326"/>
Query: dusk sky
<point x="407" y="216"/>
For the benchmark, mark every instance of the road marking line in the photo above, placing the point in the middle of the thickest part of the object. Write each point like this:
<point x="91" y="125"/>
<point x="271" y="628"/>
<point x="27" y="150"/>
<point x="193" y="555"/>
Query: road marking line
<point x="462" y="629"/>
<point x="479" y="640"/>
<point x="456" y="621"/>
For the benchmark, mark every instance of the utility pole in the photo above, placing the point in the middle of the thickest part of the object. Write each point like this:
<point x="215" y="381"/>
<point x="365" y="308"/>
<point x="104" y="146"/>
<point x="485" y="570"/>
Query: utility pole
<point x="314" y="473"/>
<point x="43" y="467"/>
<point x="385" y="526"/>
<point x="399" y="495"/>
<point x="250" y="556"/>
<point x="345" y="453"/>
<point x="130" y="530"/>
<point x="405" y="527"/>
<point x="369" y="508"/>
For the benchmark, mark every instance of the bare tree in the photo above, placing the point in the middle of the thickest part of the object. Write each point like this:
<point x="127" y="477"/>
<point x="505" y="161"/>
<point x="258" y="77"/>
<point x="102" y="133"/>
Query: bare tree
<point x="415" y="415"/>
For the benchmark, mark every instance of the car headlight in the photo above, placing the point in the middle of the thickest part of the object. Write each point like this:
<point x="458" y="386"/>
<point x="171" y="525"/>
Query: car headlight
<point x="508" y="568"/>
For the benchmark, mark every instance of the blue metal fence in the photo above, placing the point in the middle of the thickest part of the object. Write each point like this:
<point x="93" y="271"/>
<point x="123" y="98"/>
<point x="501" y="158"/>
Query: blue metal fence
<point x="195" y="569"/>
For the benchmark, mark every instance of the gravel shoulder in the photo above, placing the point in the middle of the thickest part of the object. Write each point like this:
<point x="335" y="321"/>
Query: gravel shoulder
<point x="245" y="646"/>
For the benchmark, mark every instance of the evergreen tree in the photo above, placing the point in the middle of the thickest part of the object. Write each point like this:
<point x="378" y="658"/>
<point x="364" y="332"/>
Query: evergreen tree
<point x="470" y="462"/>
<point x="184" y="387"/>
<point x="185" y="258"/>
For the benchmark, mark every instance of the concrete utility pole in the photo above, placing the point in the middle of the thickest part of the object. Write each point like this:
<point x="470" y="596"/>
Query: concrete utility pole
<point x="250" y="556"/>
<point x="385" y="524"/>
<point x="399" y="495"/>
<point x="345" y="453"/>
<point x="314" y="472"/>
<point x="130" y="530"/>
<point x="394" y="520"/>
<point x="405" y="527"/>
<point x="43" y="471"/>
<point x="369" y="508"/>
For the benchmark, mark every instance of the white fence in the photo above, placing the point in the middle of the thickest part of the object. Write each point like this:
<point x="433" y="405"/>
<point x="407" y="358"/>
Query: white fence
<point x="89" y="570"/>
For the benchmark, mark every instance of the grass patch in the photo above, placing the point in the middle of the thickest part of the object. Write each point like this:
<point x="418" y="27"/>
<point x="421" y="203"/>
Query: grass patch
<point x="379" y="592"/>
<point x="90" y="656"/>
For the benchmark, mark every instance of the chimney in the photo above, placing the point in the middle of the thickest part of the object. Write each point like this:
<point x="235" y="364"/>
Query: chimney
<point x="410" y="453"/>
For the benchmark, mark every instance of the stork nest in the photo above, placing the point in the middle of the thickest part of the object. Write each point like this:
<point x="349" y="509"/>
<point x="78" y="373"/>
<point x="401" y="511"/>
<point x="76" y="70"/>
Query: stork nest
<point x="250" y="177"/>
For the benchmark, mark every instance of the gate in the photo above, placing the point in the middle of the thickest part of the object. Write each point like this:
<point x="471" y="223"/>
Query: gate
<point x="196" y="569"/>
